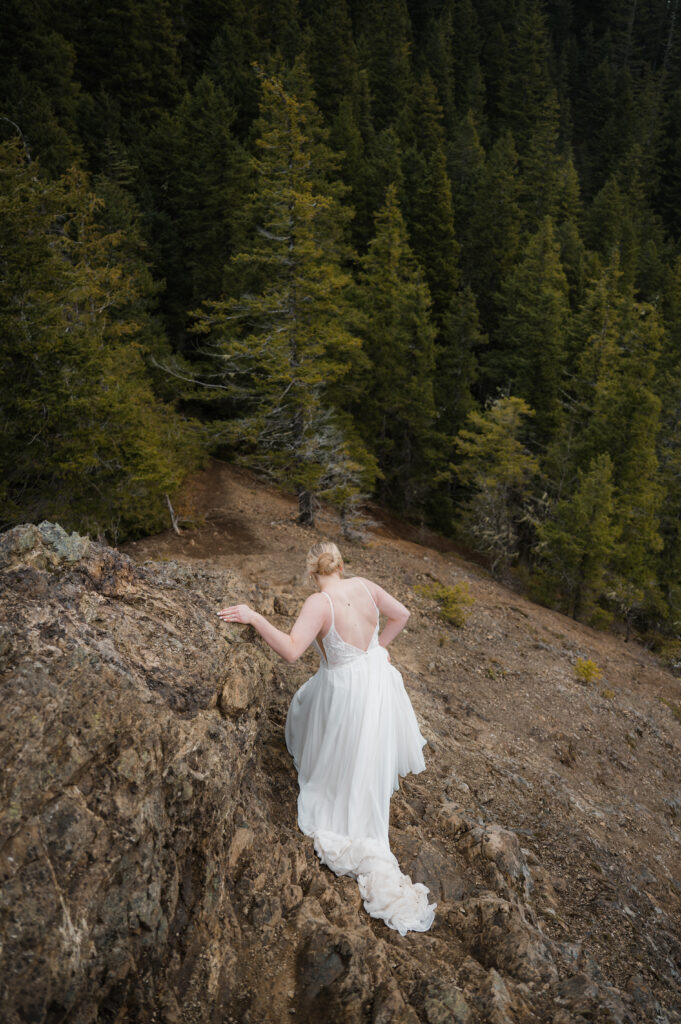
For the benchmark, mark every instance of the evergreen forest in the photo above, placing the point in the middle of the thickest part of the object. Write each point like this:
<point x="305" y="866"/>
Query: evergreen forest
<point x="423" y="252"/>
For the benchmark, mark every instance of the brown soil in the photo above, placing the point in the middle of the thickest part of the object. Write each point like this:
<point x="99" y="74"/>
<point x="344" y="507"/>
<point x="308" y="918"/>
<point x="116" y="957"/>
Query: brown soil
<point x="587" y="775"/>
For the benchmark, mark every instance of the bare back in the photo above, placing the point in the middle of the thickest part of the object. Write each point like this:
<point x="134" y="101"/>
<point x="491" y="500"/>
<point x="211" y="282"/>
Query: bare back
<point x="355" y="613"/>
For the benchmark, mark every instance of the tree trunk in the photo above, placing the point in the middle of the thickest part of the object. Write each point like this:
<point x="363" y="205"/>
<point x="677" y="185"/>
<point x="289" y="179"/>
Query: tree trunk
<point x="305" y="513"/>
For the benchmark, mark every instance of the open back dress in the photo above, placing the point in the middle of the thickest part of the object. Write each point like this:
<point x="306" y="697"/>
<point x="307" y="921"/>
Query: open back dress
<point x="352" y="731"/>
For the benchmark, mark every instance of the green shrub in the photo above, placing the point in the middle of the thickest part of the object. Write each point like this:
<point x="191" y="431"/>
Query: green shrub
<point x="453" y="601"/>
<point x="600" y="618"/>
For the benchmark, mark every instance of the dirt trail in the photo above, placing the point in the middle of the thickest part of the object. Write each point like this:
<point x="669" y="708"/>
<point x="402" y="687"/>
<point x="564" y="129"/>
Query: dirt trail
<point x="587" y="776"/>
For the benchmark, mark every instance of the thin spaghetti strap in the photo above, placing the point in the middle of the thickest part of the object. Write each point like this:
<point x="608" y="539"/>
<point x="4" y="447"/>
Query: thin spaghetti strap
<point x="333" y="621"/>
<point x="370" y="595"/>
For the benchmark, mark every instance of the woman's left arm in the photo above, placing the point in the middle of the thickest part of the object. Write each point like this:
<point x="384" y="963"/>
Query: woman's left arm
<point x="289" y="645"/>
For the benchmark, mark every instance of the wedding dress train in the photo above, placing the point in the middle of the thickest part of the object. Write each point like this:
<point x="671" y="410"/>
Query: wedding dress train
<point x="352" y="731"/>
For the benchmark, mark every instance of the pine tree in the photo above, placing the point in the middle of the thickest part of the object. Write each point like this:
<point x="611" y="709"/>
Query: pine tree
<point x="382" y="167"/>
<point x="196" y="180"/>
<point x="127" y="61"/>
<point x="494" y="464"/>
<point x="541" y="164"/>
<point x="458" y="342"/>
<point x="526" y="83"/>
<point x="568" y="231"/>
<point x="430" y="211"/>
<point x="38" y="84"/>
<point x="466" y="161"/>
<point x="578" y="542"/>
<point x="282" y="345"/>
<point x="493" y="233"/>
<point x="384" y="44"/>
<point x="469" y="81"/>
<point x="85" y="440"/>
<point x="332" y="54"/>
<point x="435" y="56"/>
<point x="621" y="218"/>
<point x="398" y="419"/>
<point x="617" y="411"/>
<point x="530" y="356"/>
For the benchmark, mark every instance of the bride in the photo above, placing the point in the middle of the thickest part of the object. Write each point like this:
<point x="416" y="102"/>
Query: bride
<point x="351" y="731"/>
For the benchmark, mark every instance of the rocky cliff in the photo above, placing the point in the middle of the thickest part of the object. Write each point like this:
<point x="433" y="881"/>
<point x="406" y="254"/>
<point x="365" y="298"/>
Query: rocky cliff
<point x="150" y="865"/>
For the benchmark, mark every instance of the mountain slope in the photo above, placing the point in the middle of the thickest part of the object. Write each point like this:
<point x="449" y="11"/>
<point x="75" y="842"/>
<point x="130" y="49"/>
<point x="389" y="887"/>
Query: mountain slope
<point x="151" y="864"/>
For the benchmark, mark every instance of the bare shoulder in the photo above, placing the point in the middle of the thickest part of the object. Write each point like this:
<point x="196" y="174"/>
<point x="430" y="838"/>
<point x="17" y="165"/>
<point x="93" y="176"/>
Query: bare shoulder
<point x="367" y="582"/>
<point x="374" y="589"/>
<point x="385" y="601"/>
<point x="315" y="602"/>
<point x="313" y="614"/>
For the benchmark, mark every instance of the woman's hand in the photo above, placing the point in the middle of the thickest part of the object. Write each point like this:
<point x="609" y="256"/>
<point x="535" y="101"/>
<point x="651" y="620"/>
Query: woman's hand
<point x="237" y="613"/>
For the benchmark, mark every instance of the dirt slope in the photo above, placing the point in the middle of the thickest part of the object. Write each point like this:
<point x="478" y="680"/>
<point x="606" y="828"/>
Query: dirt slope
<point x="587" y="776"/>
<point x="151" y="869"/>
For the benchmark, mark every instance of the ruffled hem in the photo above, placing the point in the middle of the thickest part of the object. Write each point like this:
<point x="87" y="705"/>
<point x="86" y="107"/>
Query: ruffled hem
<point x="352" y="733"/>
<point x="388" y="894"/>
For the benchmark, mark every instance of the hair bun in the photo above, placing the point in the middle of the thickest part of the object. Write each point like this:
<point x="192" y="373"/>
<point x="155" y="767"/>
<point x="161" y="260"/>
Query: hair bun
<point x="326" y="563"/>
<point x="324" y="558"/>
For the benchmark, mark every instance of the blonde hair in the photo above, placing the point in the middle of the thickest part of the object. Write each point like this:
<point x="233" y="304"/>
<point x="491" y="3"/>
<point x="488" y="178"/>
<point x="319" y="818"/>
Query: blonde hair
<point x="324" y="558"/>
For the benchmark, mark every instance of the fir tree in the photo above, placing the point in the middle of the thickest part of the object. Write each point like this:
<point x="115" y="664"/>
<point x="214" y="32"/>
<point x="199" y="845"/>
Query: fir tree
<point x="622" y="219"/>
<point x="332" y="55"/>
<point x="398" y="419"/>
<point x="541" y="164"/>
<point x="618" y="412"/>
<point x="493" y="463"/>
<point x="469" y="80"/>
<point x="578" y="542"/>
<point x="384" y="42"/>
<point x="568" y="231"/>
<point x="196" y="179"/>
<point x="282" y="345"/>
<point x="669" y="184"/>
<point x="466" y="161"/>
<point x="85" y="441"/>
<point x="493" y="232"/>
<point x="38" y="85"/>
<point x="127" y="61"/>
<point x="456" y="370"/>
<point x="526" y="83"/>
<point x="382" y="167"/>
<point x="234" y="47"/>
<point x="435" y="56"/>
<point x="530" y="358"/>
<point x="431" y="215"/>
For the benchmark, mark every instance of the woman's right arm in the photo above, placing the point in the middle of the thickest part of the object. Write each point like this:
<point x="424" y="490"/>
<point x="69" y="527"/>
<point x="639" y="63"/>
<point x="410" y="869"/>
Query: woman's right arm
<point x="394" y="611"/>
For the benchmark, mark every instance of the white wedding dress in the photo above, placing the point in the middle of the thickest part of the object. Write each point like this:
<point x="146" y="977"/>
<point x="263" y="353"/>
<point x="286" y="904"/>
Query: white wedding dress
<point x="352" y="731"/>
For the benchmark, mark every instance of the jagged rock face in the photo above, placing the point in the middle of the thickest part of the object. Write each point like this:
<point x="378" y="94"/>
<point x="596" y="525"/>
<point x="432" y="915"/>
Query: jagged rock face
<point x="150" y="865"/>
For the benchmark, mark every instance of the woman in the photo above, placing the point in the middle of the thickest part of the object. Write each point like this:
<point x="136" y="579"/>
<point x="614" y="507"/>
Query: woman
<point x="351" y="731"/>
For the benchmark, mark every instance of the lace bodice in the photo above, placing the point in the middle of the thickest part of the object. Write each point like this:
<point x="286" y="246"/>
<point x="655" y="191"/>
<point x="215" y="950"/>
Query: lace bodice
<point x="339" y="651"/>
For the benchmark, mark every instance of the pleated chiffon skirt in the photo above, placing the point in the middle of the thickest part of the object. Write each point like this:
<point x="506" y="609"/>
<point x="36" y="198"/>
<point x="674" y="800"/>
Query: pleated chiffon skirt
<point x="352" y="732"/>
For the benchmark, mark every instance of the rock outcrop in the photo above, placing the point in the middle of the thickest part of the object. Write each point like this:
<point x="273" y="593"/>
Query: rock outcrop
<point x="150" y="865"/>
